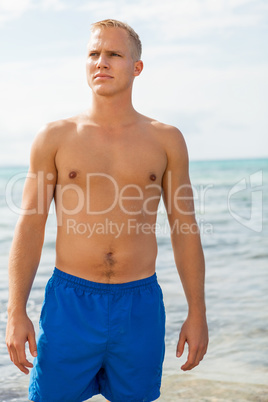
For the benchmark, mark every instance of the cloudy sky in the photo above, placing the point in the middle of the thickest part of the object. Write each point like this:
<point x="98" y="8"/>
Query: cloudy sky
<point x="206" y="69"/>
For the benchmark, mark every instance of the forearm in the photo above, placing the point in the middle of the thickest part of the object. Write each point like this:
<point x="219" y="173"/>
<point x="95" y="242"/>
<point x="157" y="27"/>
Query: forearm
<point x="23" y="263"/>
<point x="190" y="263"/>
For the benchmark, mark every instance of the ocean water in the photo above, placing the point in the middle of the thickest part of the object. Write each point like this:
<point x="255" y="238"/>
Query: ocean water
<point x="231" y="201"/>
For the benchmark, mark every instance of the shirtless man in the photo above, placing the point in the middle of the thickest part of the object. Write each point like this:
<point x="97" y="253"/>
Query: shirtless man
<point x="102" y="323"/>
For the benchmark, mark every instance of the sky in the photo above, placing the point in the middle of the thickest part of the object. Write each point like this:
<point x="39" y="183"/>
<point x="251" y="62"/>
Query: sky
<point x="205" y="70"/>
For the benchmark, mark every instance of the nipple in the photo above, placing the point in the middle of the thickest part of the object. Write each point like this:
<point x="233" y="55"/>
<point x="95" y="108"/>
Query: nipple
<point x="153" y="177"/>
<point x="72" y="174"/>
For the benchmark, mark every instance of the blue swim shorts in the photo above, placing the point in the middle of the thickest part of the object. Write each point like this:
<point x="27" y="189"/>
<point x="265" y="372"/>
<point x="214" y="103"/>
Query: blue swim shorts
<point x="98" y="338"/>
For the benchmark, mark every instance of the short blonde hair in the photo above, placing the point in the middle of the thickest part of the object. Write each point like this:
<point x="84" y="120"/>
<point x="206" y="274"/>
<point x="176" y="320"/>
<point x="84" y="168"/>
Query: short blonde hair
<point x="133" y="36"/>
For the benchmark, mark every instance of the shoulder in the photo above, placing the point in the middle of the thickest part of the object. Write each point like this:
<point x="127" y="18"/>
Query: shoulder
<point x="51" y="135"/>
<point x="48" y="139"/>
<point x="166" y="132"/>
<point x="53" y="131"/>
<point x="171" y="139"/>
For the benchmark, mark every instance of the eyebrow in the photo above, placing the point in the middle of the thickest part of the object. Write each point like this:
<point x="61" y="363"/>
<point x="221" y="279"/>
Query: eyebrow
<point x="106" y="51"/>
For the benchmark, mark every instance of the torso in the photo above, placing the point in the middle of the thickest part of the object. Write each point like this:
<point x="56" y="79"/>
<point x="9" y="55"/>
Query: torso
<point x="103" y="236"/>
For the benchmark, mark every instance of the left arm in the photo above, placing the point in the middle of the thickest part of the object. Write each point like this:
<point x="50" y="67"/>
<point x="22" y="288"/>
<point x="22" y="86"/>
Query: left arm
<point x="188" y="253"/>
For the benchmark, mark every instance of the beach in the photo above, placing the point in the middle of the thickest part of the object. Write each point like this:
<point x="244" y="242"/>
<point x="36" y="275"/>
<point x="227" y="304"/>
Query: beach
<point x="178" y="387"/>
<point x="231" y="200"/>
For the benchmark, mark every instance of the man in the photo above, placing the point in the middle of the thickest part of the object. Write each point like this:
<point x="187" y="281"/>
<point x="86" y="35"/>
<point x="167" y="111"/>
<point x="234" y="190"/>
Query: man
<point x="102" y="323"/>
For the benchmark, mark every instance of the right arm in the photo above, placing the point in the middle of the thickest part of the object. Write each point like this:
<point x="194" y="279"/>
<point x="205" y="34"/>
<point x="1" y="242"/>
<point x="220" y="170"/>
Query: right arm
<point x="27" y="245"/>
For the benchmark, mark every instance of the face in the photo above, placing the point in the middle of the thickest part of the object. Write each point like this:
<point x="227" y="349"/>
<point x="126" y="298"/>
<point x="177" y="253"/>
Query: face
<point x="110" y="67"/>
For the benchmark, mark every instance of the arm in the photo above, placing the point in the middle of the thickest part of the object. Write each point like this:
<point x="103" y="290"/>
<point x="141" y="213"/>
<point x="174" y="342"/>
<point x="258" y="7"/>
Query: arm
<point x="27" y="246"/>
<point x="188" y="253"/>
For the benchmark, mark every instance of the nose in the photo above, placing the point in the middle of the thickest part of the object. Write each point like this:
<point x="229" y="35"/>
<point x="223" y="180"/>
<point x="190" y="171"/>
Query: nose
<point x="102" y="61"/>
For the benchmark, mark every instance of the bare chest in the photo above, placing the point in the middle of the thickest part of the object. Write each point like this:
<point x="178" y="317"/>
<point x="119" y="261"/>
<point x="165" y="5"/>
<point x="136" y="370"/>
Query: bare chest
<point x="131" y="159"/>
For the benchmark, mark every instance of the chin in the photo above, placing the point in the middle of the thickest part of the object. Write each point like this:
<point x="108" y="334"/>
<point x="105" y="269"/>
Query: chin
<point x="103" y="92"/>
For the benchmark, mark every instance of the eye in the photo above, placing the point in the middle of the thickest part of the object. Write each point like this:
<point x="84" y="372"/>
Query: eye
<point x="93" y="54"/>
<point x="116" y="54"/>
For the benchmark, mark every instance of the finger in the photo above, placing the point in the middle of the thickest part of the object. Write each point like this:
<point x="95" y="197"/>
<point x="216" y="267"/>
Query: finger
<point x="9" y="351"/>
<point x="191" y="360"/>
<point x="194" y="358"/>
<point x="26" y="363"/>
<point x="32" y="344"/>
<point x="15" y="360"/>
<point x="21" y="355"/>
<point x="22" y="368"/>
<point x="200" y="355"/>
<point x="180" y="346"/>
<point x="202" y="350"/>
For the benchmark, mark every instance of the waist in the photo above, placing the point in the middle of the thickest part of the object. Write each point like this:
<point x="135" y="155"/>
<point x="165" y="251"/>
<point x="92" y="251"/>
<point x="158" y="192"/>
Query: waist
<point x="81" y="283"/>
<point x="104" y="258"/>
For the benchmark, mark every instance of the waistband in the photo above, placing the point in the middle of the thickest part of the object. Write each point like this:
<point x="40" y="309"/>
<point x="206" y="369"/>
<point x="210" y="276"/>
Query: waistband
<point x="108" y="287"/>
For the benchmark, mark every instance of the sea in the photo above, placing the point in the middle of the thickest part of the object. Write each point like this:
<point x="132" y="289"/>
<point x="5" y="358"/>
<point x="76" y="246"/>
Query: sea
<point x="231" y="203"/>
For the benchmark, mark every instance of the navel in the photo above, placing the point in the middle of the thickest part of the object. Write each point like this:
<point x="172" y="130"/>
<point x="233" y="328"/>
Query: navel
<point x="109" y="258"/>
<point x="72" y="174"/>
<point x="153" y="177"/>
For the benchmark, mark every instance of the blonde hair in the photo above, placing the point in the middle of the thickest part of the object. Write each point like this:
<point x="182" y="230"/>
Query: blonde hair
<point x="133" y="36"/>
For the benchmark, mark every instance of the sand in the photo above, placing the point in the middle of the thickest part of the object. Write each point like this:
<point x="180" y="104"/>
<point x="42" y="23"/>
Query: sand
<point x="174" y="388"/>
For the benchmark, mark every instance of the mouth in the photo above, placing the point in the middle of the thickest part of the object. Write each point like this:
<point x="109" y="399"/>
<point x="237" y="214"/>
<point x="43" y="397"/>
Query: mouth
<point x="102" y="76"/>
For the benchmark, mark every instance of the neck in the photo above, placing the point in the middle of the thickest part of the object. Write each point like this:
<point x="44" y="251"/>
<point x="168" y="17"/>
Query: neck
<point x="112" y="111"/>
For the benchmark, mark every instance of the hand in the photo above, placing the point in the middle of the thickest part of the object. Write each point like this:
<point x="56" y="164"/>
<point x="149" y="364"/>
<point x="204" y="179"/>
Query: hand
<point x="19" y="330"/>
<point x="194" y="331"/>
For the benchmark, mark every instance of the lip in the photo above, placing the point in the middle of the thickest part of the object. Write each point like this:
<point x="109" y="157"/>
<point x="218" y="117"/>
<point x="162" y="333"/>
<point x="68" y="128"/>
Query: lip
<point x="103" y="76"/>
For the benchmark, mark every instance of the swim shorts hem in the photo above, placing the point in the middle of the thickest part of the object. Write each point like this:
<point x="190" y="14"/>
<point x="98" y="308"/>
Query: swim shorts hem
<point x="152" y="397"/>
<point x="36" y="398"/>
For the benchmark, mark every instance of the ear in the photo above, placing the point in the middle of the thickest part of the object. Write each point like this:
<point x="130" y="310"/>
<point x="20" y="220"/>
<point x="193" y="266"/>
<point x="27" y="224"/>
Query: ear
<point x="138" y="67"/>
